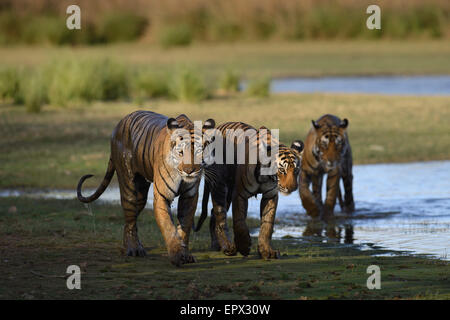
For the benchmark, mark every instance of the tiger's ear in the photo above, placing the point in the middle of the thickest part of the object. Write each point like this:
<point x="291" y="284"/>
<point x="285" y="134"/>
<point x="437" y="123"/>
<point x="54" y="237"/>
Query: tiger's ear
<point x="209" y="124"/>
<point x="315" y="124"/>
<point x="344" y="124"/>
<point x="297" y="146"/>
<point x="172" y="124"/>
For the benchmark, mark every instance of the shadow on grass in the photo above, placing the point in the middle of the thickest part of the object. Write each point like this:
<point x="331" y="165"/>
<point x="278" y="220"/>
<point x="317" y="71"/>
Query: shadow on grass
<point x="41" y="238"/>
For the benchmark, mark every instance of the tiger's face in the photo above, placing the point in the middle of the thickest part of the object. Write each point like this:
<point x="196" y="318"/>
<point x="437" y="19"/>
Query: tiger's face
<point x="330" y="143"/>
<point x="289" y="162"/>
<point x="187" y="149"/>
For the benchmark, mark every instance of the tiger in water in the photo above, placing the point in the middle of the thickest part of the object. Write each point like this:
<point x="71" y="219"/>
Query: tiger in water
<point x="145" y="149"/>
<point x="235" y="183"/>
<point x="327" y="151"/>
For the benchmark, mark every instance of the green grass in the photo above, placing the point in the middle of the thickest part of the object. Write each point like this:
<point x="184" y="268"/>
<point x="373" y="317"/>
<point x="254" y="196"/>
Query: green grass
<point x="41" y="238"/>
<point x="259" y="88"/>
<point x="229" y="82"/>
<point x="260" y="59"/>
<point x="54" y="149"/>
<point x="187" y="85"/>
<point x="175" y="36"/>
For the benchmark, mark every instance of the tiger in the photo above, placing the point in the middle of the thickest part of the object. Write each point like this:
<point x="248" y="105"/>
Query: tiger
<point x="144" y="151"/>
<point x="327" y="151"/>
<point x="235" y="183"/>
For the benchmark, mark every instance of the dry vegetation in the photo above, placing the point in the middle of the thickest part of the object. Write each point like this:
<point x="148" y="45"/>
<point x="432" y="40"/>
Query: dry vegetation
<point x="174" y="22"/>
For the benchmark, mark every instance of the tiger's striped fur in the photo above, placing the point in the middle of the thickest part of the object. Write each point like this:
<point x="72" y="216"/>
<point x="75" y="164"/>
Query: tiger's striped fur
<point x="143" y="151"/>
<point x="237" y="182"/>
<point x="327" y="151"/>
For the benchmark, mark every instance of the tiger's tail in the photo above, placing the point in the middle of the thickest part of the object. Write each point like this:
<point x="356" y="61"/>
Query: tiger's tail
<point x="206" y="192"/>
<point x="101" y="188"/>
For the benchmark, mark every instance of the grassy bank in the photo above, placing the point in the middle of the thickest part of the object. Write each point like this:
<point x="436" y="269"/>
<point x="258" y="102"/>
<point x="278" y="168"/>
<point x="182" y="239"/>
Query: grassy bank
<point x="41" y="238"/>
<point x="54" y="149"/>
<point x="276" y="58"/>
<point x="77" y="76"/>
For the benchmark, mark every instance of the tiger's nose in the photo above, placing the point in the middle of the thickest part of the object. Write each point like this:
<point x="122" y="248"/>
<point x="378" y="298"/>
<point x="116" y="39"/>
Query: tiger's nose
<point x="189" y="170"/>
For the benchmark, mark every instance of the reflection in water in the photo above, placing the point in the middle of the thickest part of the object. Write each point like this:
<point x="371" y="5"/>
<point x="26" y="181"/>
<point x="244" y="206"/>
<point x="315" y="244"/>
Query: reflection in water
<point x="402" y="207"/>
<point x="331" y="230"/>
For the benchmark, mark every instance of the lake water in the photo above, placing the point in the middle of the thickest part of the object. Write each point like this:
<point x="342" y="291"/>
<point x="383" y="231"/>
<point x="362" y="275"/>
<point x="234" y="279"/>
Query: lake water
<point x="388" y="85"/>
<point x="403" y="207"/>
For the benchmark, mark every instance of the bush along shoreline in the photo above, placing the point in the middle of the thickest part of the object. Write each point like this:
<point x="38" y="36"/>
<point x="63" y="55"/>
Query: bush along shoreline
<point x="68" y="83"/>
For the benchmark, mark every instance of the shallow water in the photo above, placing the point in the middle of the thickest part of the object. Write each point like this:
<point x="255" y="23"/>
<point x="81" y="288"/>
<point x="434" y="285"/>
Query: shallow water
<point x="402" y="207"/>
<point x="389" y="85"/>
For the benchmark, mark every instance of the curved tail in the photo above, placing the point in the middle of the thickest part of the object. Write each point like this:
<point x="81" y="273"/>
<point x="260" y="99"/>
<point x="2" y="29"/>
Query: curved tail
<point x="206" y="192"/>
<point x="101" y="188"/>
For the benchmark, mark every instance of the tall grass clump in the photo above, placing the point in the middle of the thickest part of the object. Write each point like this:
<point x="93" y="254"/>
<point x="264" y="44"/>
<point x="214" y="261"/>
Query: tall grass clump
<point x="120" y="26"/>
<point x="229" y="82"/>
<point x="147" y="84"/>
<point x="113" y="79"/>
<point x="259" y="87"/>
<point x="10" y="85"/>
<point x="74" y="82"/>
<point x="34" y="88"/>
<point x="178" y="35"/>
<point x="187" y="86"/>
<point x="83" y="81"/>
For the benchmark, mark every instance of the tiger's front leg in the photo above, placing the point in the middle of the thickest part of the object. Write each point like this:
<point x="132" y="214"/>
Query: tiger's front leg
<point x="176" y="248"/>
<point x="268" y="210"/>
<point x="309" y="201"/>
<point x="187" y="204"/>
<point x="219" y="227"/>
<point x="332" y="191"/>
<point x="242" y="238"/>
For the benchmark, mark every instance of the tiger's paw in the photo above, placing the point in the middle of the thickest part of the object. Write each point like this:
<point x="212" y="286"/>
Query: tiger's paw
<point x="243" y="243"/>
<point x="242" y="238"/>
<point x="138" y="251"/>
<point x="229" y="250"/>
<point x="268" y="253"/>
<point x="190" y="259"/>
<point x="179" y="255"/>
<point x="131" y="243"/>
<point x="349" y="208"/>
<point x="327" y="215"/>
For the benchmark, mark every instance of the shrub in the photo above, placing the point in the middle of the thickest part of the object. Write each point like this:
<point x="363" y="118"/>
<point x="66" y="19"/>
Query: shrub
<point x="10" y="85"/>
<point x="176" y="35"/>
<point x="259" y="88"/>
<point x="121" y="26"/>
<point x="74" y="82"/>
<point x="187" y="86"/>
<point x="77" y="81"/>
<point x="10" y="27"/>
<point x="113" y="78"/>
<point x="230" y="82"/>
<point x="35" y="91"/>
<point x="147" y="84"/>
